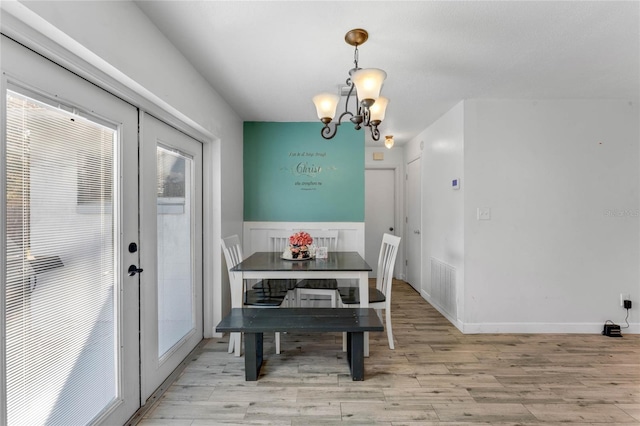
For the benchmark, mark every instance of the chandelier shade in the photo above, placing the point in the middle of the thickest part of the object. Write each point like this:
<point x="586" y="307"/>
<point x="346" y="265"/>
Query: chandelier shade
<point x="326" y="105"/>
<point x="378" y="109"/>
<point x="368" y="84"/>
<point x="365" y="85"/>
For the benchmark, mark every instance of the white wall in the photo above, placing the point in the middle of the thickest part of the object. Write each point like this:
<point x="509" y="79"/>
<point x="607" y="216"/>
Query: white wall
<point x="442" y="207"/>
<point x="562" y="181"/>
<point x="132" y="51"/>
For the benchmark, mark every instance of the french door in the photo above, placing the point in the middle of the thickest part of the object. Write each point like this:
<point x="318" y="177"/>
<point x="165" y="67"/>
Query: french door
<point x="171" y="249"/>
<point x="100" y="248"/>
<point x="69" y="200"/>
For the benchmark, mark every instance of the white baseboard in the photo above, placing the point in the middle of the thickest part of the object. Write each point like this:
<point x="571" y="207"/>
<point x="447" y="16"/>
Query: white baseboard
<point x="529" y="327"/>
<point x="440" y="309"/>
<point x="542" y="328"/>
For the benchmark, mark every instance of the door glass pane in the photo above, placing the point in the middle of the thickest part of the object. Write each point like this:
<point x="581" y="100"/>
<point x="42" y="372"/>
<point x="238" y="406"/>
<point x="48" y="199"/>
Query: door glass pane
<point x="60" y="306"/>
<point x="176" y="314"/>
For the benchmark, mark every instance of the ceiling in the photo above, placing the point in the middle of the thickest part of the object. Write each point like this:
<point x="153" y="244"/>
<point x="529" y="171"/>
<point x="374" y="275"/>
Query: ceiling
<point x="269" y="58"/>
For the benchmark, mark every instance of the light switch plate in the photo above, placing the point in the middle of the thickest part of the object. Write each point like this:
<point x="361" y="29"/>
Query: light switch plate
<point x="484" y="213"/>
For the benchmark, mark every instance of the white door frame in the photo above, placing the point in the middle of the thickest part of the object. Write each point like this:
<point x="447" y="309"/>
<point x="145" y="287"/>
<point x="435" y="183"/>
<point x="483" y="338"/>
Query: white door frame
<point x="399" y="210"/>
<point x="410" y="232"/>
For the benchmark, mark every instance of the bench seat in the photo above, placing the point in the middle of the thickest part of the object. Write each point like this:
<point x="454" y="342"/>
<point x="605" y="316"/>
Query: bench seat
<point x="254" y="322"/>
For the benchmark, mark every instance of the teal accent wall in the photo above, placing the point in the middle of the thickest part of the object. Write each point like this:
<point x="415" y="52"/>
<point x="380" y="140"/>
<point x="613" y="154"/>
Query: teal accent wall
<point x="292" y="174"/>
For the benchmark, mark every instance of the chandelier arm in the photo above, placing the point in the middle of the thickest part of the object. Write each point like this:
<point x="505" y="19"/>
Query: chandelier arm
<point x="366" y="115"/>
<point x="326" y="131"/>
<point x="375" y="133"/>
<point x="349" y="113"/>
<point x="351" y="86"/>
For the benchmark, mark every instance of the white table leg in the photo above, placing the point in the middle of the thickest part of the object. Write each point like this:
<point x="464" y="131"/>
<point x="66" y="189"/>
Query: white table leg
<point x="237" y="289"/>
<point x="363" y="283"/>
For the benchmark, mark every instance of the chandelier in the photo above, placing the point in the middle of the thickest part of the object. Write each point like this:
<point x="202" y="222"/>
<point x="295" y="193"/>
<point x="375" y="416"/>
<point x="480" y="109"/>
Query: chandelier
<point x="370" y="106"/>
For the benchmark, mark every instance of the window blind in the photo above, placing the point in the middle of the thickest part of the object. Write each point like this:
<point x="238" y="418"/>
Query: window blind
<point x="60" y="304"/>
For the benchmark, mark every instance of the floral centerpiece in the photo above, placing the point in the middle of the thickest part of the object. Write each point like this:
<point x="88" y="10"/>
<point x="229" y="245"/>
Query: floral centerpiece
<point x="299" y="245"/>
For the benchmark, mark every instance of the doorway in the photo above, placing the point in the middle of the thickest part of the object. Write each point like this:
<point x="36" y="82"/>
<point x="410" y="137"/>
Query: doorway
<point x="379" y="213"/>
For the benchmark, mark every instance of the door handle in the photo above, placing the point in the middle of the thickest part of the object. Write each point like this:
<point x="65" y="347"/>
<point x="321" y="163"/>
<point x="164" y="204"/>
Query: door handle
<point x="133" y="269"/>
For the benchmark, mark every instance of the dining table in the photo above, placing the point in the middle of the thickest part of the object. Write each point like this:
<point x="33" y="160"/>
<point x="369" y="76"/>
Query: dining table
<point x="340" y="265"/>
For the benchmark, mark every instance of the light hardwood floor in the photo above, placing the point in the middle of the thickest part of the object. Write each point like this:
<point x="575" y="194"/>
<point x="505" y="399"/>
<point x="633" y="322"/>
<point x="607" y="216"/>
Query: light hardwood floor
<point x="435" y="376"/>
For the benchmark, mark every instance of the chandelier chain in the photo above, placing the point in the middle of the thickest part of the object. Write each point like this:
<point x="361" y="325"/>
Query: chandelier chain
<point x="355" y="57"/>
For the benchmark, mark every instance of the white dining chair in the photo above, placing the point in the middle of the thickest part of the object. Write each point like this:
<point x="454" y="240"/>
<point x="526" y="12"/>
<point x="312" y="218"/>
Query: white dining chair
<point x="379" y="297"/>
<point x="265" y="297"/>
<point x="278" y="241"/>
<point x="320" y="286"/>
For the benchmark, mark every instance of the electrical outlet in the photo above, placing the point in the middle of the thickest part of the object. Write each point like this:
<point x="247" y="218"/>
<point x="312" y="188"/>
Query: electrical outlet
<point x="484" y="213"/>
<point x="623" y="297"/>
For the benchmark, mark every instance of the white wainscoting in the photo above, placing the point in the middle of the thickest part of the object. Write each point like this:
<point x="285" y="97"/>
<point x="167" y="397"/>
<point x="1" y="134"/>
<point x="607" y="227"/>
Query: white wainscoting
<point x="443" y="287"/>
<point x="350" y="234"/>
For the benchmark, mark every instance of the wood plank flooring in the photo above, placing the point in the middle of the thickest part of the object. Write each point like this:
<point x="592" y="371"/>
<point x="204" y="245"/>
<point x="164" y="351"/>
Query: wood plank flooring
<point x="435" y="376"/>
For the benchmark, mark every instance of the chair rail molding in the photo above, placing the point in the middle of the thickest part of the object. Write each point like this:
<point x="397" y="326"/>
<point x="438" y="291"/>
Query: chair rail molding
<point x="350" y="234"/>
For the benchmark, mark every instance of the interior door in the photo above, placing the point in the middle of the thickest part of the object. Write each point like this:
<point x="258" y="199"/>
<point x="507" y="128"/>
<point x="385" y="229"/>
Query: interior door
<point x="414" y="221"/>
<point x="170" y="249"/>
<point x="70" y="349"/>
<point x="379" y="213"/>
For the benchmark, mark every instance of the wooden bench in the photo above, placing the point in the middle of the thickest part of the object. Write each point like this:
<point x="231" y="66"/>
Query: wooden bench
<point x="254" y="322"/>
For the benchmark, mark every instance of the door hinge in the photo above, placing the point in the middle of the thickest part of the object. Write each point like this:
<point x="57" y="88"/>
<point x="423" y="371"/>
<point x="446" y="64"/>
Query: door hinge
<point x="406" y="262"/>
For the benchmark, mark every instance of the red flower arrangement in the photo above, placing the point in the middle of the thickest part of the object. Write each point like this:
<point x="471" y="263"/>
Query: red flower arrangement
<point x="300" y="239"/>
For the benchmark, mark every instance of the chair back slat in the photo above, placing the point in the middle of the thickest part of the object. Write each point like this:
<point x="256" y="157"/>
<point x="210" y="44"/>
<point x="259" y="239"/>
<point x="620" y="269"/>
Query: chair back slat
<point x="386" y="264"/>
<point x="278" y="240"/>
<point x="232" y="250"/>
<point x="327" y="239"/>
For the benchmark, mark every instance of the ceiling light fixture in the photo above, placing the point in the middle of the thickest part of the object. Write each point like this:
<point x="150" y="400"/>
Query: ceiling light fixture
<point x="370" y="106"/>
<point x="388" y="141"/>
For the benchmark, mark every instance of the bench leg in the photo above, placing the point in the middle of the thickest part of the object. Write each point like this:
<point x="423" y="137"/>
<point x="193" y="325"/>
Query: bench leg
<point x="355" y="354"/>
<point x="252" y="355"/>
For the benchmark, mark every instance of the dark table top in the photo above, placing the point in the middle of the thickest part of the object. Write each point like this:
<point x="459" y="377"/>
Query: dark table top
<point x="272" y="261"/>
<point x="300" y="319"/>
